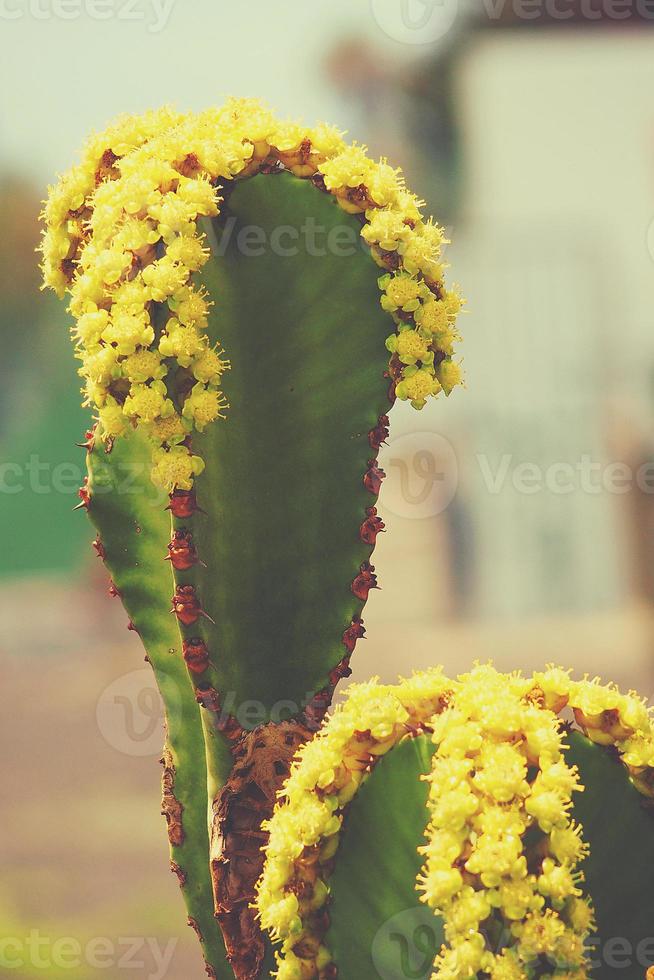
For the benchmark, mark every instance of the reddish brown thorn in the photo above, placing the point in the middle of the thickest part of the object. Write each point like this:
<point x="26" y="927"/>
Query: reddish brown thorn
<point x="89" y="438"/>
<point x="131" y="626"/>
<point x="378" y="436"/>
<point x="365" y="581"/>
<point x="316" y="710"/>
<point x="371" y="527"/>
<point x="183" y="503"/>
<point x="68" y="268"/>
<point x="113" y="591"/>
<point x="84" y="495"/>
<point x="195" y="927"/>
<point x="181" y="874"/>
<point x="372" y="480"/>
<point x="354" y="632"/>
<point x="99" y="548"/>
<point x="186" y="604"/>
<point x="189" y="165"/>
<point x="340" y="671"/>
<point x="230" y="727"/>
<point x="181" y="550"/>
<point x="196" y="655"/>
<point x="208" y="697"/>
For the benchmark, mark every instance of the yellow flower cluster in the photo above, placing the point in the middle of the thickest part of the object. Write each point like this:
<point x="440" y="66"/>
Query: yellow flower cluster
<point x="122" y="238"/>
<point x="502" y="854"/>
<point x="498" y="774"/>
<point x="305" y="827"/>
<point x="607" y="717"/>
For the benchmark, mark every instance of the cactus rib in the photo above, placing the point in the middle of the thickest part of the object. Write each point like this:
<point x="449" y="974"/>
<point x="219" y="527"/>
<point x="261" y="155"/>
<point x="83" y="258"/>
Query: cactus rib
<point x="132" y="530"/>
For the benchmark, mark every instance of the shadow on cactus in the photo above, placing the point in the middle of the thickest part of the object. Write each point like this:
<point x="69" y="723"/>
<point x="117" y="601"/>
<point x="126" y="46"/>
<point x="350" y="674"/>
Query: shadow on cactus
<point x="225" y="257"/>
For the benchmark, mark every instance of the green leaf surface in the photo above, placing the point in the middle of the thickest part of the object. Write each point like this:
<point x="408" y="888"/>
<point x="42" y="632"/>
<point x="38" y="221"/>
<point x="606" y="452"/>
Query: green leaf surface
<point x="620" y="870"/>
<point x="134" y="527"/>
<point x="299" y="316"/>
<point x="379" y="928"/>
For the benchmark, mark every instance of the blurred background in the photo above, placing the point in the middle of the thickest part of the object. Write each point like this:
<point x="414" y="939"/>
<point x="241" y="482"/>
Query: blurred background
<point x="520" y="511"/>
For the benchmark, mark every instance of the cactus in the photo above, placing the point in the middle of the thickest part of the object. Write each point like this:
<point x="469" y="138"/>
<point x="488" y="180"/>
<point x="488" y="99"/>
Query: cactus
<point x="467" y="795"/>
<point x="233" y="490"/>
<point x="255" y="520"/>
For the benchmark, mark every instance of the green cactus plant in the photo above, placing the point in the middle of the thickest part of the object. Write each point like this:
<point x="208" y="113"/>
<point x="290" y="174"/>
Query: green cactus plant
<point x="241" y="550"/>
<point x="175" y="235"/>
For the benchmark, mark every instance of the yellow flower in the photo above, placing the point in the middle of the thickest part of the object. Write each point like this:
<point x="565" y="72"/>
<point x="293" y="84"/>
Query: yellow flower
<point x="386" y="229"/>
<point x="147" y="402"/>
<point x="181" y="342"/>
<point x="101" y="366"/>
<point x="449" y="374"/>
<point x="112" y="420"/>
<point x="164" y="277"/>
<point x="90" y="326"/>
<point x="417" y="386"/>
<point x="125" y="332"/>
<point x="433" y="317"/>
<point x="190" y="307"/>
<point x="208" y="366"/>
<point x="143" y="365"/>
<point x="203" y="405"/>
<point x="189" y="251"/>
<point x="121" y="235"/>
<point x="170" y="430"/>
<point x="410" y="346"/>
<point x="175" y="468"/>
<point x="402" y="292"/>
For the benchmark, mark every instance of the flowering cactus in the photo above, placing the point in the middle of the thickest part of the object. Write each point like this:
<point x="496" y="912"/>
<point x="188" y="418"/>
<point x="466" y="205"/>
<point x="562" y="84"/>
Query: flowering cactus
<point x="477" y="806"/>
<point x="241" y="548"/>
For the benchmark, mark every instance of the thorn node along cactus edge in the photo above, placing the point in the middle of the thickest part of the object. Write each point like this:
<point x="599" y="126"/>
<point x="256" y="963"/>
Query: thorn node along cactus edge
<point x="241" y="401"/>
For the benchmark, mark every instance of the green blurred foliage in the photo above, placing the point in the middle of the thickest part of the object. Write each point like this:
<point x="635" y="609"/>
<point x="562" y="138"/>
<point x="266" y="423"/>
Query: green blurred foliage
<point x="41" y="417"/>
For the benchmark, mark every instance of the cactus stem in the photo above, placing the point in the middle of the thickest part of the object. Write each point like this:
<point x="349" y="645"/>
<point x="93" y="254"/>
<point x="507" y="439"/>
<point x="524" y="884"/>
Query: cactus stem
<point x="262" y="759"/>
